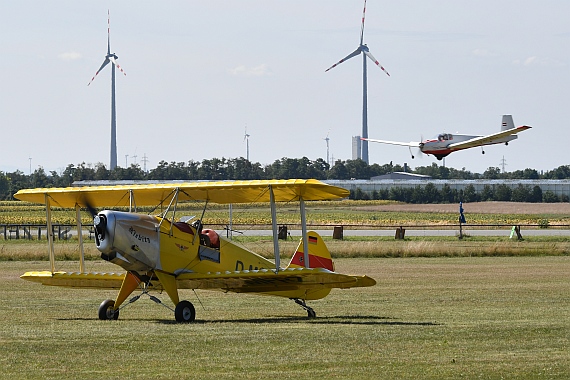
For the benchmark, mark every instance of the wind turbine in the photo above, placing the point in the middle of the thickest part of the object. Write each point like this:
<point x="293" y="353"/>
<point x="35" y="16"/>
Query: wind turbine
<point x="327" y="140"/>
<point x="246" y="139"/>
<point x="111" y="57"/>
<point x="362" y="48"/>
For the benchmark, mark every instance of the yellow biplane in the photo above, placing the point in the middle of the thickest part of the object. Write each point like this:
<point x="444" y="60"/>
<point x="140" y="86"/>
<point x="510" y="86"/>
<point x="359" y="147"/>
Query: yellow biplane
<point x="163" y="253"/>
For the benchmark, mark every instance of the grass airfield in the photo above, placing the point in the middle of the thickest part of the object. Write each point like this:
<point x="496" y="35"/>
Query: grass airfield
<point x="429" y="318"/>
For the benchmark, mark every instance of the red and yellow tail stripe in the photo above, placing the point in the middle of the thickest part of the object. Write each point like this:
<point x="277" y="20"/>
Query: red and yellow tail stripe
<point x="319" y="255"/>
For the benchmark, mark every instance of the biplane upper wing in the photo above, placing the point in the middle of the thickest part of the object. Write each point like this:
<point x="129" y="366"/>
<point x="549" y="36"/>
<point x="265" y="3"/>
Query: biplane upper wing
<point x="489" y="139"/>
<point x="259" y="281"/>
<point x="223" y="192"/>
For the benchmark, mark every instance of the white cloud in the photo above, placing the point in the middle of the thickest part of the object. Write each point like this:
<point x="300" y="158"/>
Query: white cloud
<point x="483" y="53"/>
<point x="257" y="71"/>
<point x="539" y="61"/>
<point x="69" y="56"/>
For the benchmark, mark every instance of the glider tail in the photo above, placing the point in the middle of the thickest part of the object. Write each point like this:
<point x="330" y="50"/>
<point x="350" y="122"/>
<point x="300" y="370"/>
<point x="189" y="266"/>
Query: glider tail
<point x="319" y="255"/>
<point x="507" y="123"/>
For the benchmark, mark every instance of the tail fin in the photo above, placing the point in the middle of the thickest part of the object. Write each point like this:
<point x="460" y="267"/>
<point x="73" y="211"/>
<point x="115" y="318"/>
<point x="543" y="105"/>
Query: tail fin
<point x="319" y="255"/>
<point x="507" y="123"/>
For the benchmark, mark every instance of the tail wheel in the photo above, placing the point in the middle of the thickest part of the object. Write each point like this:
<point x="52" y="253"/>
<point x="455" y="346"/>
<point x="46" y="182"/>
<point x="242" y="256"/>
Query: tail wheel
<point x="107" y="311"/>
<point x="184" y="312"/>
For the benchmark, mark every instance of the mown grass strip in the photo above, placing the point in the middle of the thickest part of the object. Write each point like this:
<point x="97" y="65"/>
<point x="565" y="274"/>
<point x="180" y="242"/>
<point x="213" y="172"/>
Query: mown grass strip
<point x="430" y="318"/>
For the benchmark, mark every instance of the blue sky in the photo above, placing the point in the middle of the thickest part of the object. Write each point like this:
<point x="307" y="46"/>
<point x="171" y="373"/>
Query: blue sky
<point x="199" y="72"/>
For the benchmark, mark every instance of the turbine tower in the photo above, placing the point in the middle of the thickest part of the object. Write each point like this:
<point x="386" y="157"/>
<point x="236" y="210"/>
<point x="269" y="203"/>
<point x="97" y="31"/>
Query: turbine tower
<point x="246" y="139"/>
<point x="362" y="48"/>
<point x="111" y="57"/>
<point x="327" y="140"/>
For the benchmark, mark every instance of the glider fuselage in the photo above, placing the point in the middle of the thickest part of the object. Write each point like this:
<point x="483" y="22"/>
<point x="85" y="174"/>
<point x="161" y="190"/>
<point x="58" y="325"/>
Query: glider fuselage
<point x="440" y="146"/>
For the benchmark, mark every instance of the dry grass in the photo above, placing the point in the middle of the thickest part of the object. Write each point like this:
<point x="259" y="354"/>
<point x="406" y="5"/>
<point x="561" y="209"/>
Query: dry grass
<point x="478" y="208"/>
<point x="351" y="247"/>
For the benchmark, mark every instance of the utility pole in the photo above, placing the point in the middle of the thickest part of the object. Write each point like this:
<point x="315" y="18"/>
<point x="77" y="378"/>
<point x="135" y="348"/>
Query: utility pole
<point x="503" y="164"/>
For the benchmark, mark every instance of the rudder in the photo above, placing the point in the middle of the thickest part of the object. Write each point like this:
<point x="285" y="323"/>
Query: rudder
<point x="319" y="255"/>
<point x="507" y="123"/>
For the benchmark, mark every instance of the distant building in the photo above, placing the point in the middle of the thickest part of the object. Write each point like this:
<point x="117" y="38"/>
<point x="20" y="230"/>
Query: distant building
<point x="556" y="186"/>
<point x="356" y="147"/>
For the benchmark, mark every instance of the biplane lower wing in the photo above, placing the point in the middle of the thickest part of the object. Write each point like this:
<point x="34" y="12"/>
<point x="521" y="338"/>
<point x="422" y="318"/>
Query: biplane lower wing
<point x="254" y="281"/>
<point x="87" y="280"/>
<point x="266" y="280"/>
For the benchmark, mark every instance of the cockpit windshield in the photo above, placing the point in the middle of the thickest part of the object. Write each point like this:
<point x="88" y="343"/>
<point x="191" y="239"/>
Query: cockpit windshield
<point x="445" y="137"/>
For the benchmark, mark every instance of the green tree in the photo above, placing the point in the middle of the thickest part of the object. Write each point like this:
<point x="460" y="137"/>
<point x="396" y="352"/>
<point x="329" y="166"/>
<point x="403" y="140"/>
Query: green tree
<point x="520" y="194"/>
<point x="503" y="193"/>
<point x="488" y="194"/>
<point x="470" y="195"/>
<point x="492" y="173"/>
<point x="338" y="171"/>
<point x="39" y="178"/>
<point x="431" y="194"/>
<point x="357" y="169"/>
<point x="4" y="187"/>
<point x="550" y="197"/>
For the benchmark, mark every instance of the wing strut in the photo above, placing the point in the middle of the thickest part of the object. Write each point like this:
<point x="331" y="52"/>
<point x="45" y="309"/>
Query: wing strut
<point x="304" y="232"/>
<point x="274" y="227"/>
<point x="80" y="239"/>
<point x="174" y="201"/>
<point x="132" y="203"/>
<point x="51" y="252"/>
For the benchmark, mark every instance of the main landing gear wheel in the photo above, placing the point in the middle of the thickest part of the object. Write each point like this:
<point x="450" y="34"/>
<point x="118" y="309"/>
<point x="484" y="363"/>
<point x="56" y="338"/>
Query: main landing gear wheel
<point x="107" y="311"/>
<point x="184" y="312"/>
<point x="310" y="311"/>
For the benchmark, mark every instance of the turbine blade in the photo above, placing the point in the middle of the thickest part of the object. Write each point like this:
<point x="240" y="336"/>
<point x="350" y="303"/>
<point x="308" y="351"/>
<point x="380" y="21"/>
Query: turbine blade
<point x="362" y="27"/>
<point x="105" y="63"/>
<point x="369" y="55"/>
<point x="117" y="65"/>
<point x="353" y="54"/>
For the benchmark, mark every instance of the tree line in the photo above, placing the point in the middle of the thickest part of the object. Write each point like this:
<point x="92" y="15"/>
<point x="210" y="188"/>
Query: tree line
<point x="430" y="194"/>
<point x="243" y="169"/>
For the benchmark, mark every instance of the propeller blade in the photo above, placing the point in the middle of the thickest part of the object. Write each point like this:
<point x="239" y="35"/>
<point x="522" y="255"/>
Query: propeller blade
<point x="369" y="55"/>
<point x="105" y="63"/>
<point x="353" y="54"/>
<point x="112" y="59"/>
<point x="362" y="27"/>
<point x="89" y="206"/>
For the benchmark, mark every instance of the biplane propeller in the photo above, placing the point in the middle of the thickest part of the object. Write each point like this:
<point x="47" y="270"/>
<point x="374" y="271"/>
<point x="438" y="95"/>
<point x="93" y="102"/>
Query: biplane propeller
<point x="163" y="253"/>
